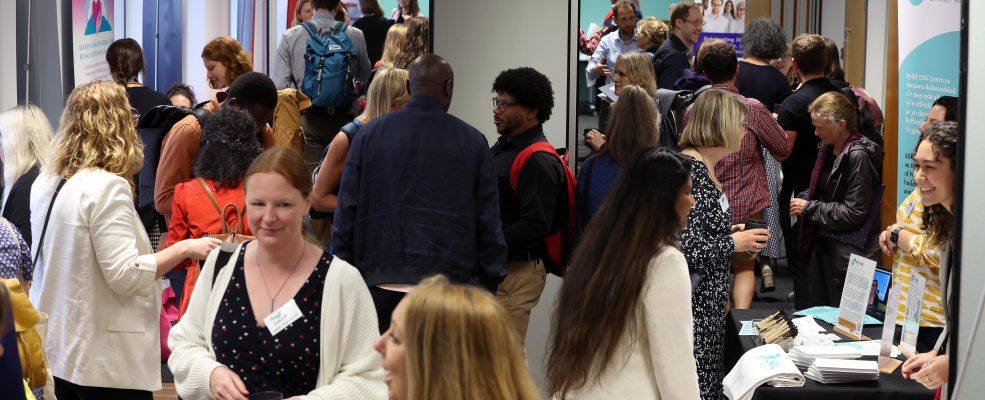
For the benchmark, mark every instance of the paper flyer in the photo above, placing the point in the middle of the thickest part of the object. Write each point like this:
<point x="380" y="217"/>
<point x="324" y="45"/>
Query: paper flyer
<point x="911" y="314"/>
<point x="855" y="296"/>
<point x="889" y="327"/>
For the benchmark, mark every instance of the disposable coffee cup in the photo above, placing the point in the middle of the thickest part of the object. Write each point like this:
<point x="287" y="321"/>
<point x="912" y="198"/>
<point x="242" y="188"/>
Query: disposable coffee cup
<point x="266" y="396"/>
<point x="756" y="224"/>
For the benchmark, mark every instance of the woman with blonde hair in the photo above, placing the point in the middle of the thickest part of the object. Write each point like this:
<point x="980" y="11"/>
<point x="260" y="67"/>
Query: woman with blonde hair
<point x="717" y="125"/>
<point x="839" y="199"/>
<point x="416" y="42"/>
<point x="650" y="34"/>
<point x="225" y="60"/>
<point x="303" y="12"/>
<point x="387" y="93"/>
<point x="96" y="275"/>
<point x="394" y="45"/>
<point x="25" y="138"/>
<point x="449" y="341"/>
<point x="278" y="313"/>
<point x="632" y="68"/>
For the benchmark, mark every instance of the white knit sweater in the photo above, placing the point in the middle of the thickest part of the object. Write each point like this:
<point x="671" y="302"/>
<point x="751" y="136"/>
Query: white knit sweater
<point x="350" y="368"/>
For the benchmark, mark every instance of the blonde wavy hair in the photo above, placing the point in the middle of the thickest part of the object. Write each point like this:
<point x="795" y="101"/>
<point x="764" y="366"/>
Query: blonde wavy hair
<point x="394" y="45"/>
<point x="460" y="344"/>
<point x="654" y="30"/>
<point x="25" y="140"/>
<point x="639" y="70"/>
<point x="716" y="121"/>
<point x="389" y="85"/>
<point x="97" y="131"/>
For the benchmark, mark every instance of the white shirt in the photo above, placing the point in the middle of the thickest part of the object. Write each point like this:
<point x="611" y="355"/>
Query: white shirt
<point x="95" y="280"/>
<point x="717" y="25"/>
<point x="737" y="26"/>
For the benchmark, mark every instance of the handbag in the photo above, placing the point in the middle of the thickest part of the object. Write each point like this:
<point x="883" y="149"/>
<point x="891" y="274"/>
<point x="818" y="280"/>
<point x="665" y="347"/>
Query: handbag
<point x="26" y="320"/>
<point x="169" y="316"/>
<point x="232" y="235"/>
<point x="29" y="342"/>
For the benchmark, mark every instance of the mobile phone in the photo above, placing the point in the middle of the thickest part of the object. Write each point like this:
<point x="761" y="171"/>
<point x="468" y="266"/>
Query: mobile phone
<point x="756" y="224"/>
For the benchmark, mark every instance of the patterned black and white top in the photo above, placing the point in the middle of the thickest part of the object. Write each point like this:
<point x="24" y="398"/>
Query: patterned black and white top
<point x="708" y="246"/>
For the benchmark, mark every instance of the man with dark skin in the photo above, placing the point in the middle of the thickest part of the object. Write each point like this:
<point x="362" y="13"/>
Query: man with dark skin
<point x="432" y="76"/>
<point x="402" y="214"/>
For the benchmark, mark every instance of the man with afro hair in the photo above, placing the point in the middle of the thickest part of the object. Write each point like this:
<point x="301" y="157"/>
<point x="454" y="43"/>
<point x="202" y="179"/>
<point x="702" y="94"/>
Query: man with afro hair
<point x="524" y="100"/>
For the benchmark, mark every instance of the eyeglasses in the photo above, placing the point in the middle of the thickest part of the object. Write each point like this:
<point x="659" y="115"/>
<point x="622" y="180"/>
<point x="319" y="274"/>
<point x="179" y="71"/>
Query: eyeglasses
<point x="700" y="22"/>
<point x="501" y="105"/>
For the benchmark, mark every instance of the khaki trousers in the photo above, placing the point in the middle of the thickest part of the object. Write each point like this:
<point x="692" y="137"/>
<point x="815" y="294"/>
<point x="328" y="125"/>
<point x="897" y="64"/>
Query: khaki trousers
<point x="520" y="293"/>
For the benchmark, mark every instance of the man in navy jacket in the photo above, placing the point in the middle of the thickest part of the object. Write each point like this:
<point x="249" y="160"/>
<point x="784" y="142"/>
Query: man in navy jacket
<point x="419" y="196"/>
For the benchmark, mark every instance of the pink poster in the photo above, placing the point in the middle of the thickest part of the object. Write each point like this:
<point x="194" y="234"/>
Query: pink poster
<point x="92" y="33"/>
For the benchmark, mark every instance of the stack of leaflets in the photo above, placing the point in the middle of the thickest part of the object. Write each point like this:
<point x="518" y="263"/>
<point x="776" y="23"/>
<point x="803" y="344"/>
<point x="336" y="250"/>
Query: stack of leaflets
<point x="804" y="356"/>
<point x="764" y="364"/>
<point x="841" y="371"/>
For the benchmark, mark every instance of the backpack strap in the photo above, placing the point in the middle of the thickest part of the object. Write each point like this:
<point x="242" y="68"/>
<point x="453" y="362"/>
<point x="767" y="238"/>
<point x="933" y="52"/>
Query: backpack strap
<point x="44" y="229"/>
<point x="521" y="159"/>
<point x="339" y="28"/>
<point x="226" y="251"/>
<point x="310" y="27"/>
<point x="208" y="191"/>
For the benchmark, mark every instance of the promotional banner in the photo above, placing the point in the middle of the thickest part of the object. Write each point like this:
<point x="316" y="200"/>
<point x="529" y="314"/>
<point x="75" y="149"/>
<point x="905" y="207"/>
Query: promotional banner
<point x="928" y="69"/>
<point x="734" y="39"/>
<point x="91" y="36"/>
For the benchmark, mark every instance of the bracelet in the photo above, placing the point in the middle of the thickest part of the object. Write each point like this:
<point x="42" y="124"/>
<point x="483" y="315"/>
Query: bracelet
<point x="734" y="245"/>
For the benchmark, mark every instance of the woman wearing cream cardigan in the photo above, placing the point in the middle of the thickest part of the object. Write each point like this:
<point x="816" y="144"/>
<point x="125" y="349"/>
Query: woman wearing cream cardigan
<point x="281" y="314"/>
<point x="96" y="275"/>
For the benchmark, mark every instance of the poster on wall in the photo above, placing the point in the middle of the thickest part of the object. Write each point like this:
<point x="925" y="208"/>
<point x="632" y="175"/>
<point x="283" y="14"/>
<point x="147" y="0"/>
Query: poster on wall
<point x="92" y="33"/>
<point x="928" y="69"/>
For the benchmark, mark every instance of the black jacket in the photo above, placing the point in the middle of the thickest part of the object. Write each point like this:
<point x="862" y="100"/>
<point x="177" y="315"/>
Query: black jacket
<point x="668" y="62"/>
<point x="853" y="181"/>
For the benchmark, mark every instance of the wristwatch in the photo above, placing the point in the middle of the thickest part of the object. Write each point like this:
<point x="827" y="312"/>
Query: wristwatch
<point x="894" y="237"/>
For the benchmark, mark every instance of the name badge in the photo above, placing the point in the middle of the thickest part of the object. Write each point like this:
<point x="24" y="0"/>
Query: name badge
<point x="724" y="203"/>
<point x="909" y="208"/>
<point x="282" y="317"/>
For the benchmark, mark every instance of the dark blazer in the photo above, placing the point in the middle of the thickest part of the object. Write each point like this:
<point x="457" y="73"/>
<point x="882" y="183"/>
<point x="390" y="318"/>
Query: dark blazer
<point x="668" y="62"/>
<point x="17" y="208"/>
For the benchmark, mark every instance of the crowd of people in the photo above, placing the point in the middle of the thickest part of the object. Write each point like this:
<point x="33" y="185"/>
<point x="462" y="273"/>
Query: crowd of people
<point x="407" y="265"/>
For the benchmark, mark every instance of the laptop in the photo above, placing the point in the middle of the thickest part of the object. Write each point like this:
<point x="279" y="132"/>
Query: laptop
<point x="878" y="298"/>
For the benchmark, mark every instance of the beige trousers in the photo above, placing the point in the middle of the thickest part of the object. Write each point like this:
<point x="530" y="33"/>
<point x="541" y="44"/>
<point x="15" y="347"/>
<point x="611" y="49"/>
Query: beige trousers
<point x="520" y="293"/>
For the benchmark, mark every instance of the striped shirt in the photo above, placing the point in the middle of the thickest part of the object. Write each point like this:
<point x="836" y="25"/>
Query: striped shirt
<point x="922" y="259"/>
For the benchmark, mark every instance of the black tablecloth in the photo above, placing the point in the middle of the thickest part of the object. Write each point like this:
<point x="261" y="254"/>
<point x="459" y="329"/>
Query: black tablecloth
<point x="888" y="387"/>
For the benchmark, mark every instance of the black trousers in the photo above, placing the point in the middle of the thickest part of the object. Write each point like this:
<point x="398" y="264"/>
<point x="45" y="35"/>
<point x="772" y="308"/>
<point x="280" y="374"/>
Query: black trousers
<point x="385" y="301"/>
<point x="791" y="241"/>
<point x="319" y="131"/>
<point x="70" y="391"/>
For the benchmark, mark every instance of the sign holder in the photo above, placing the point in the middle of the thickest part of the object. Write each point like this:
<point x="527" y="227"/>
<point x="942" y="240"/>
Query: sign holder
<point x="854" y="296"/>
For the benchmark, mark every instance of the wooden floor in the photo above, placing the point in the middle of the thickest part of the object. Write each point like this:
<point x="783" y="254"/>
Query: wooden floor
<point x="167" y="393"/>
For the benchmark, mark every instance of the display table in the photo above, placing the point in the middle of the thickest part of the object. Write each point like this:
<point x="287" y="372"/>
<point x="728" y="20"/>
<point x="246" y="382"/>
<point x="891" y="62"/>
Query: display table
<point x="888" y="387"/>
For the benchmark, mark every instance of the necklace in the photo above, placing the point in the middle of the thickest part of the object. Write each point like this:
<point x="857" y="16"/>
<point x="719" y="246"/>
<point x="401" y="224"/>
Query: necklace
<point x="285" y="281"/>
<point x="711" y="170"/>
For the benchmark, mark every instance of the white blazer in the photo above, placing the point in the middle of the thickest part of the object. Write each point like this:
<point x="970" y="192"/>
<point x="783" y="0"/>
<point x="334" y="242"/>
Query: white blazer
<point x="95" y="280"/>
<point x="349" y="367"/>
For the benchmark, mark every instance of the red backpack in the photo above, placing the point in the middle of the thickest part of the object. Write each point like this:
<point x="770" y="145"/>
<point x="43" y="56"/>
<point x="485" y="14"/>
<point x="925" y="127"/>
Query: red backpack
<point x="559" y="244"/>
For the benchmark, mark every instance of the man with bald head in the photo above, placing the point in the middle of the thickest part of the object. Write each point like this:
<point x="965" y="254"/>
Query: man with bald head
<point x="419" y="196"/>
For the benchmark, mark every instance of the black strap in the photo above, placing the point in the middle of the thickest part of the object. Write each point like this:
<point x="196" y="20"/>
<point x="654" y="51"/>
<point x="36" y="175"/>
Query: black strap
<point x="46" y="218"/>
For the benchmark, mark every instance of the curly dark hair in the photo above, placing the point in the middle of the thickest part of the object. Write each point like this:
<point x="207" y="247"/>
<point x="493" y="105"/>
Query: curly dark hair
<point x="529" y="88"/>
<point x="229" y="146"/>
<point x="937" y="220"/>
<point x="764" y="39"/>
<point x="415" y="42"/>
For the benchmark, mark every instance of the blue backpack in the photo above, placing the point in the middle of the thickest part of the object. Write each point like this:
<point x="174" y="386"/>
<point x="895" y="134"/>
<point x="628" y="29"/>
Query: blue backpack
<point x="327" y="77"/>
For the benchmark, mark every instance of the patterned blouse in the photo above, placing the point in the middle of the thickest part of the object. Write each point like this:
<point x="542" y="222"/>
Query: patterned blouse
<point x="922" y="259"/>
<point x="15" y="254"/>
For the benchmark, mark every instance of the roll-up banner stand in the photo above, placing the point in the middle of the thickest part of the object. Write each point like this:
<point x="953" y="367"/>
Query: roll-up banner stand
<point x="92" y="33"/>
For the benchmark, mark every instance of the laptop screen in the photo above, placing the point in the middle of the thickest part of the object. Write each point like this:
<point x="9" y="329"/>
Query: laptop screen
<point x="880" y="290"/>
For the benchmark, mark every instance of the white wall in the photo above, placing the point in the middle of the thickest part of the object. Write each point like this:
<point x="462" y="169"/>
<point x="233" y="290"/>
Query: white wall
<point x="833" y="22"/>
<point x="8" y="65"/>
<point x="972" y="279"/>
<point x="478" y="47"/>
<point x="876" y="44"/>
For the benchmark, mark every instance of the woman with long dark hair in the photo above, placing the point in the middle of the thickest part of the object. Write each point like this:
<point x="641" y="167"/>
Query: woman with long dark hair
<point x="629" y="277"/>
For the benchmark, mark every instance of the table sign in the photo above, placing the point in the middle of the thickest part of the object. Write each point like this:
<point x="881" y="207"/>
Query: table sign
<point x="855" y="296"/>
<point x="888" y="364"/>
<point x="911" y="316"/>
